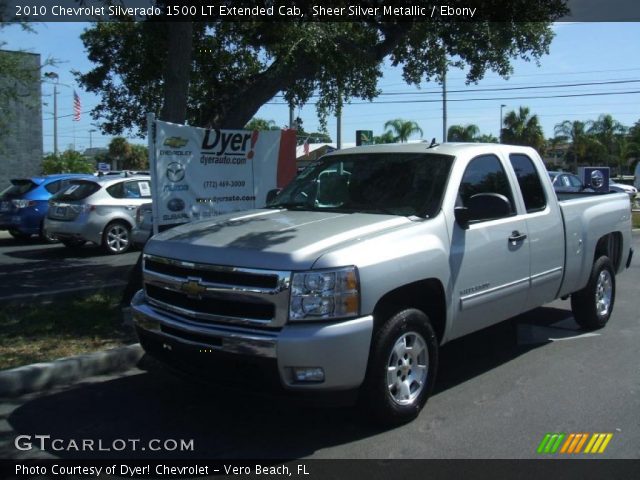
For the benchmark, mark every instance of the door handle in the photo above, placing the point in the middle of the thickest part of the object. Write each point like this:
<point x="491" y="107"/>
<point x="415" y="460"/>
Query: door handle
<point x="516" y="237"/>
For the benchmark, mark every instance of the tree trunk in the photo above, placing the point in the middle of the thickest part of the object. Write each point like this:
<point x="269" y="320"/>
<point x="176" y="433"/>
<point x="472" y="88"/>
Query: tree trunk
<point x="177" y="72"/>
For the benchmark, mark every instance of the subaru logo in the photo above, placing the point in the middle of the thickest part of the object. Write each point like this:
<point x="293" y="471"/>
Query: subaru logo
<point x="176" y="204"/>
<point x="175" y="172"/>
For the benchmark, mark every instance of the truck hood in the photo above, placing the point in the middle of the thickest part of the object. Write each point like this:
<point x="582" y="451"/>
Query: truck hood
<point x="267" y="238"/>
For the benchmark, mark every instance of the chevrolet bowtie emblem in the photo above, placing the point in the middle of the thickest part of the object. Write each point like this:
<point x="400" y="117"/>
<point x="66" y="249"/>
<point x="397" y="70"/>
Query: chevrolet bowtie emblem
<point x="193" y="288"/>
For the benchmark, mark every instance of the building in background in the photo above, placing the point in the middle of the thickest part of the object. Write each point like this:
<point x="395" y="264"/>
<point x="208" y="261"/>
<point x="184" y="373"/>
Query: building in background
<point x="20" y="116"/>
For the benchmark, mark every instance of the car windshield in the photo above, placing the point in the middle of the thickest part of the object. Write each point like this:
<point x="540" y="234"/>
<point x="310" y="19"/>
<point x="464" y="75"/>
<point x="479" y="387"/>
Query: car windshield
<point x="18" y="188"/>
<point x="407" y="184"/>
<point x="77" y="190"/>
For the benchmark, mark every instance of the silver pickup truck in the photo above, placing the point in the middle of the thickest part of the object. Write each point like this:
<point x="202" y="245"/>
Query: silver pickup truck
<point x="348" y="282"/>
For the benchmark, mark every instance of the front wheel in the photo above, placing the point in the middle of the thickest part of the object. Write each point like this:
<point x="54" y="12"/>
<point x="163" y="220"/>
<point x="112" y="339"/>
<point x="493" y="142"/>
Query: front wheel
<point x="402" y="368"/>
<point x="592" y="306"/>
<point x="116" y="238"/>
<point x="18" y="235"/>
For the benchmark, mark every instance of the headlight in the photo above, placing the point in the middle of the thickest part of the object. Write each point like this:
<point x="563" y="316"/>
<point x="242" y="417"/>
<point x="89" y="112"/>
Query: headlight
<point x="325" y="294"/>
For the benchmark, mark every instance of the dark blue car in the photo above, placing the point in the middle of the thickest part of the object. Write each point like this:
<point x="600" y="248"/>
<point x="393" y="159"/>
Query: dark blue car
<point x="24" y="204"/>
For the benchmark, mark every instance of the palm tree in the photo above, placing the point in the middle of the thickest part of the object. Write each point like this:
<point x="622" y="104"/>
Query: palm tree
<point x="606" y="130"/>
<point x="403" y="129"/>
<point x="576" y="133"/>
<point x="486" y="138"/>
<point x="386" y="137"/>
<point x="257" y="123"/>
<point x="460" y="133"/>
<point x="627" y="149"/>
<point x="522" y="128"/>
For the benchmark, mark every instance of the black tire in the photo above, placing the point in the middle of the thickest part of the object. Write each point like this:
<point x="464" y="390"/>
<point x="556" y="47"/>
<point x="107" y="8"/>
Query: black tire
<point x="73" y="242"/>
<point x="116" y="238"/>
<point x="387" y="403"/>
<point x="592" y="306"/>
<point x="19" y="235"/>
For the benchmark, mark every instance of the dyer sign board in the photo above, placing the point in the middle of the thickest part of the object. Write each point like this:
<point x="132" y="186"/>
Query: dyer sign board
<point x="199" y="173"/>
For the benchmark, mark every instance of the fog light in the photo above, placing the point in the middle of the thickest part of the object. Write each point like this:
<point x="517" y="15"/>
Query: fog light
<point x="308" y="374"/>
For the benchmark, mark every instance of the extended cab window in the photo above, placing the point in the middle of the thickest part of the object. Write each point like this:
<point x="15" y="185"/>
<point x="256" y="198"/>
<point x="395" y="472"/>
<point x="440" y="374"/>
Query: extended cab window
<point x="529" y="181"/>
<point x="485" y="190"/>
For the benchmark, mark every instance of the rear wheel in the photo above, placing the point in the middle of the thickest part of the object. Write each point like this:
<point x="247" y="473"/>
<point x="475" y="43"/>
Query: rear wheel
<point x="116" y="238"/>
<point x="402" y="368"/>
<point x="592" y="306"/>
<point x="18" y="235"/>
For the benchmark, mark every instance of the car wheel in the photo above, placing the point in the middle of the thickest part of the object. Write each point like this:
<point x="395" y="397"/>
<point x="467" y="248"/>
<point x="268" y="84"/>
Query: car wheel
<point x="47" y="237"/>
<point x="19" y="235"/>
<point x="402" y="368"/>
<point x="73" y="242"/>
<point x="592" y="306"/>
<point x="116" y="238"/>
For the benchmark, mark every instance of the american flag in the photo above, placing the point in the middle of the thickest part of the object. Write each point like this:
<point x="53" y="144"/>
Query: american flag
<point x="77" y="107"/>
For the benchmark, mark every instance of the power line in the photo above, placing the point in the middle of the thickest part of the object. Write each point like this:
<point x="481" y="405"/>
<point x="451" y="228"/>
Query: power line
<point x="479" y="99"/>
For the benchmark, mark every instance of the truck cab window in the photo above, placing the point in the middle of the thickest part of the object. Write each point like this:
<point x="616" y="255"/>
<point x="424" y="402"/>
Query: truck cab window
<point x="485" y="176"/>
<point x="529" y="181"/>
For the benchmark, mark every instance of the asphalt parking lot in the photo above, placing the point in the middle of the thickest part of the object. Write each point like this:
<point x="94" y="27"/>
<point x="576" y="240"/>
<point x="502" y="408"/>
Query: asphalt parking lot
<point x="498" y="393"/>
<point x="32" y="268"/>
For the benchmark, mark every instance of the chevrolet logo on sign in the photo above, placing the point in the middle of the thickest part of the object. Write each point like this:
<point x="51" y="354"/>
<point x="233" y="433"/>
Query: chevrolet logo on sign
<point x="193" y="288"/>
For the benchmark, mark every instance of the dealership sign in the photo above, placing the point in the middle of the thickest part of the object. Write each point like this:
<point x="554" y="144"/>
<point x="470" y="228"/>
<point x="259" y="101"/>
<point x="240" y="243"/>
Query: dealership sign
<point x="199" y="173"/>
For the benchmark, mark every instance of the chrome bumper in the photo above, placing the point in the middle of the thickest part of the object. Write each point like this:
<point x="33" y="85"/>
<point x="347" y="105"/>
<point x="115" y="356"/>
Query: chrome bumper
<point x="341" y="349"/>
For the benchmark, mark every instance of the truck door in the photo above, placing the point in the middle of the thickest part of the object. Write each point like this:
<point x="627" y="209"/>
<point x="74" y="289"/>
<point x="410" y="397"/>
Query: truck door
<point x="545" y="229"/>
<point x="490" y="258"/>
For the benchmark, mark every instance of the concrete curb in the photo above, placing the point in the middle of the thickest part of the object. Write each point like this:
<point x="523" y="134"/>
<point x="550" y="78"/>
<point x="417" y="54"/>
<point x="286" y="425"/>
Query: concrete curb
<point x="41" y="376"/>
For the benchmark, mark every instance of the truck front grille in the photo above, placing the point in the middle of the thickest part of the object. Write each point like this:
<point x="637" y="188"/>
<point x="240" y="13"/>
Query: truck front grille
<point x="214" y="294"/>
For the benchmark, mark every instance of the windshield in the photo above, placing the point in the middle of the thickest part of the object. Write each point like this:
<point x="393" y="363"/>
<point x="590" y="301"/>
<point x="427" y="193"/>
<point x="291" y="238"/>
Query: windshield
<point x="407" y="184"/>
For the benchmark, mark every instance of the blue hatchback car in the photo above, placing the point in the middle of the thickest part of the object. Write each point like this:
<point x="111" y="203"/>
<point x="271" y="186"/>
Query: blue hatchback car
<point x="25" y="203"/>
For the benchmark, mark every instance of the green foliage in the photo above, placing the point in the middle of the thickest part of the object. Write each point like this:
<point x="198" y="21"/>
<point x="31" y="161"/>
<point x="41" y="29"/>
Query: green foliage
<point x="462" y="133"/>
<point x="386" y="137"/>
<point x="137" y="159"/>
<point x="522" y="128"/>
<point x="261" y="124"/>
<point x="239" y="66"/>
<point x="402" y="129"/>
<point x="69" y="161"/>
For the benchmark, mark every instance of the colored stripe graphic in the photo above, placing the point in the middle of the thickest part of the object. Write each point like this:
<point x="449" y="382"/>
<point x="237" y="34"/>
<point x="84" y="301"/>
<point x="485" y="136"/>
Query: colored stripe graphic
<point x="574" y="443"/>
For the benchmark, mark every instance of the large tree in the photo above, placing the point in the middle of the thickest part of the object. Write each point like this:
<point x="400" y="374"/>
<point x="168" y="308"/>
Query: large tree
<point x="235" y="68"/>
<point x="522" y="128"/>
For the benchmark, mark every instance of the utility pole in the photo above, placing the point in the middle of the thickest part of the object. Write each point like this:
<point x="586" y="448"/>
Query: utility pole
<point x="500" y="130"/>
<point x="90" y="137"/>
<point x="54" y="76"/>
<point x="444" y="101"/>
<point x="339" y="121"/>
<point x="291" y="116"/>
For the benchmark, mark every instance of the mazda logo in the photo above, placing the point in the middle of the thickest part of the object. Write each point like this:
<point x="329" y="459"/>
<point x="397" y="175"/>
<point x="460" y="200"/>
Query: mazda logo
<point x="175" y="172"/>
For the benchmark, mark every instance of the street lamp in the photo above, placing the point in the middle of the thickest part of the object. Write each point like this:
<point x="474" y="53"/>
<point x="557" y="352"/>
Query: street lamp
<point x="54" y="76"/>
<point x="500" y="131"/>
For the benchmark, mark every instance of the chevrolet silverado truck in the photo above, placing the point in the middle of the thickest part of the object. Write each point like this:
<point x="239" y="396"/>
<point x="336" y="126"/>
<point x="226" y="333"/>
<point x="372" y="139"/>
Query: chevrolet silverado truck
<point x="348" y="282"/>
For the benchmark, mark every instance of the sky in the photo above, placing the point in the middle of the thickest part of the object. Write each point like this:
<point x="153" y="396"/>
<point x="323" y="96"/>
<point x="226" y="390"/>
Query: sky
<point x="580" y="53"/>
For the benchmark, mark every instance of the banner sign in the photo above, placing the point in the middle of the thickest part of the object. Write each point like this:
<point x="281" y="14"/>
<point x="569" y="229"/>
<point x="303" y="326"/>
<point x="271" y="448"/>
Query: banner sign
<point x="199" y="173"/>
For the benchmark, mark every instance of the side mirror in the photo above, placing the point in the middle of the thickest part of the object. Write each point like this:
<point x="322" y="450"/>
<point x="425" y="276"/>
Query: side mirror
<point x="272" y="194"/>
<point x="462" y="216"/>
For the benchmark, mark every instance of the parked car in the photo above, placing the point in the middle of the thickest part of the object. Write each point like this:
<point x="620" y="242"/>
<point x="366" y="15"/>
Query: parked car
<point x="621" y="187"/>
<point x="25" y="203"/>
<point x="349" y="290"/>
<point x="98" y="210"/>
<point x="143" y="228"/>
<point x="564" y="182"/>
